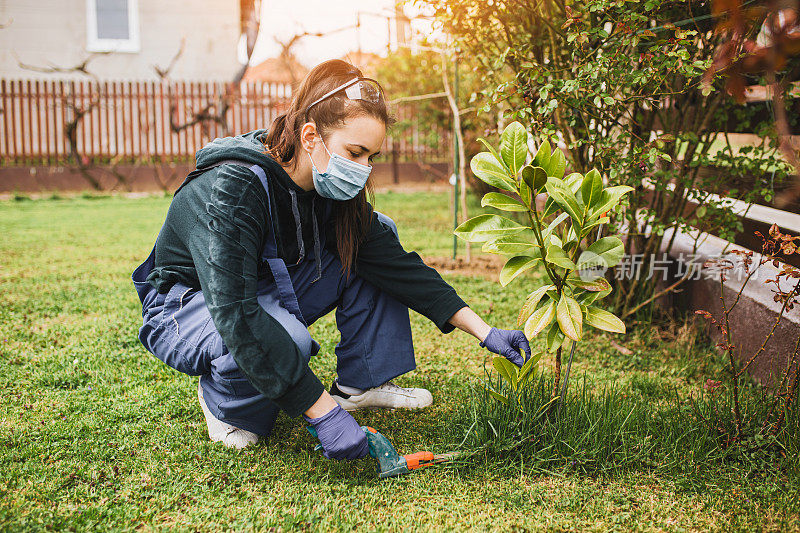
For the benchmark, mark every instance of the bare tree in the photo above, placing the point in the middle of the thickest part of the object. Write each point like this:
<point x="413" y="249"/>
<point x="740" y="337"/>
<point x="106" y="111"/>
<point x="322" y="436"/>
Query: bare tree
<point x="214" y="111"/>
<point x="78" y="113"/>
<point x="80" y="68"/>
<point x="287" y="56"/>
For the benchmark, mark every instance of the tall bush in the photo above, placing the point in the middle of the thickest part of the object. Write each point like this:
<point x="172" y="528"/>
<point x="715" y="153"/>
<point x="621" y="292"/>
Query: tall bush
<point x="617" y="85"/>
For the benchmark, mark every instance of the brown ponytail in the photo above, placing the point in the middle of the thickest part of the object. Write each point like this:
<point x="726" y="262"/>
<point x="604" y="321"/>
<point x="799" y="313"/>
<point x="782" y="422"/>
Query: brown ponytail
<point x="351" y="217"/>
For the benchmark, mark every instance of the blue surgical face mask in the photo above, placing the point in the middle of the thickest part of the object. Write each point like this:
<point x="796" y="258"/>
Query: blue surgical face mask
<point x="342" y="180"/>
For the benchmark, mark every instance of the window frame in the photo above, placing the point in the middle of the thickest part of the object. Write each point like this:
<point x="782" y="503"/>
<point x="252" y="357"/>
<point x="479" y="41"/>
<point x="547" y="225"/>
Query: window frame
<point x="130" y="45"/>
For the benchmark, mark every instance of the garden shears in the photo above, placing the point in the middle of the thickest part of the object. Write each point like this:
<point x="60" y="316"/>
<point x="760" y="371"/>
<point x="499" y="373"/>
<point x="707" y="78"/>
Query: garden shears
<point x="391" y="463"/>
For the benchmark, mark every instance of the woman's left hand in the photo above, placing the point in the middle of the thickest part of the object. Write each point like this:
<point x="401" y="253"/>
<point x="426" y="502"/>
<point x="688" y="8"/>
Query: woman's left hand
<point x="508" y="343"/>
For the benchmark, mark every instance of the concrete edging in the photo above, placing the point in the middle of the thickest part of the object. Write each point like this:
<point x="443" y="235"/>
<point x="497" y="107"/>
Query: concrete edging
<point x="755" y="312"/>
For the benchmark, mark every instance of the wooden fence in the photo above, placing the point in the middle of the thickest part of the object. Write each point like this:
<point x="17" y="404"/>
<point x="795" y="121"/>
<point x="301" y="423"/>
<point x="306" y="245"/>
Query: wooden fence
<point x="125" y="121"/>
<point x="47" y="122"/>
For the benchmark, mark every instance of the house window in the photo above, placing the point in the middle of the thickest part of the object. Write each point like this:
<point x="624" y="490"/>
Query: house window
<point x="112" y="25"/>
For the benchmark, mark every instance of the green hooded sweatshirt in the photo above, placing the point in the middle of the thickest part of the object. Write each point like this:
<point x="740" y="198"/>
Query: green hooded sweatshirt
<point x="212" y="240"/>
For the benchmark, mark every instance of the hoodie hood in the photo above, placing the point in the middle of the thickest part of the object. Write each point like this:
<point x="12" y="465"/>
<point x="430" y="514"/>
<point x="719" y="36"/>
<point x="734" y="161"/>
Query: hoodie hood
<point x="248" y="148"/>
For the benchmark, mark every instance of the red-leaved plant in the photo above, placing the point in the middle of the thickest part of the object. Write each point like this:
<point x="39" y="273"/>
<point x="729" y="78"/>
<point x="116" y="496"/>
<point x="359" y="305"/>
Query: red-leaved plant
<point x="776" y="246"/>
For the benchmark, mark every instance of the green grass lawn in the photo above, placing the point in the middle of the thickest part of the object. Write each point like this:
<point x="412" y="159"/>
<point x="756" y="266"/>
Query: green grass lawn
<point x="95" y="433"/>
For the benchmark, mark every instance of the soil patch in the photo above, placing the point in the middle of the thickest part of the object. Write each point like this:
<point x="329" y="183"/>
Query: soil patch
<point x="485" y="266"/>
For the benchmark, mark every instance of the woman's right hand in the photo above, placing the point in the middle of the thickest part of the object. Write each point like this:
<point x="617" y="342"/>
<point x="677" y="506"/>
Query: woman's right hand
<point x="340" y="435"/>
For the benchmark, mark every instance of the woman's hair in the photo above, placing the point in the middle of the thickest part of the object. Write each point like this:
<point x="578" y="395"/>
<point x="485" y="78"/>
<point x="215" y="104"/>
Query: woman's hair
<point x="351" y="217"/>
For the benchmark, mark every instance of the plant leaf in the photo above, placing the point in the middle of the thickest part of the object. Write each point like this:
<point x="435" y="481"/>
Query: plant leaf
<point x="558" y="257"/>
<point x="566" y="343"/>
<point x="487" y="168"/>
<point x="574" y="181"/>
<point x="610" y="198"/>
<point x="591" y="188"/>
<point x="569" y="245"/>
<point x="570" y="319"/>
<point x="542" y="157"/>
<point x="602" y="319"/>
<point x="595" y="285"/>
<point x="499" y="397"/>
<point x="534" y="177"/>
<point x="507" y="370"/>
<point x="528" y="370"/>
<point x="521" y="243"/>
<point x="557" y="164"/>
<point x="484" y="228"/>
<point x="565" y="198"/>
<point x="554" y="338"/>
<point x="556" y="221"/>
<point x="599" y="221"/>
<point x="486" y="144"/>
<point x="540" y="319"/>
<point x="550" y="207"/>
<point x="516" y="266"/>
<point x="526" y="194"/>
<point x="589" y="297"/>
<point x="502" y="201"/>
<point x="514" y="146"/>
<point x="554" y="240"/>
<point x="606" y="252"/>
<point x="531" y="302"/>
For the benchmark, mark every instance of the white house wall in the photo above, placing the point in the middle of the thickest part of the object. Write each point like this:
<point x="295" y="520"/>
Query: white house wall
<point x="54" y="32"/>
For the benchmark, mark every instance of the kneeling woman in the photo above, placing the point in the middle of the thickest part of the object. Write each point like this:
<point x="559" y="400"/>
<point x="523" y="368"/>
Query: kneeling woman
<point x="270" y="233"/>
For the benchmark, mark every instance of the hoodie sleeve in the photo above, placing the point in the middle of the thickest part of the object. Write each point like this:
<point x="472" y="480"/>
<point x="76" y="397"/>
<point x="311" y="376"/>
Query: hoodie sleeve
<point x="225" y="244"/>
<point x="383" y="262"/>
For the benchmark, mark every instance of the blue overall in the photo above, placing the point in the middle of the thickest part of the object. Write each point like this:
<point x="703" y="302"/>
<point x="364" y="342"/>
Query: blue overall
<point x="375" y="344"/>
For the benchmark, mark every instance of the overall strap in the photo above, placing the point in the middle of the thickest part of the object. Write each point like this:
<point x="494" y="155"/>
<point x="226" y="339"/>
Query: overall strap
<point x="270" y="255"/>
<point x="270" y="247"/>
<point x="276" y="264"/>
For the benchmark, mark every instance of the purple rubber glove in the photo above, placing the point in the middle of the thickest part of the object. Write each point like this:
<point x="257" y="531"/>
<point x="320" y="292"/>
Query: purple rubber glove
<point x="509" y="343"/>
<point x="340" y="435"/>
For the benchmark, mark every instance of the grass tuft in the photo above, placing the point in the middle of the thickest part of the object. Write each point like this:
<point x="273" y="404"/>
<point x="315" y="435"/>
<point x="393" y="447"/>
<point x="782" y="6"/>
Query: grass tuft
<point x="608" y="430"/>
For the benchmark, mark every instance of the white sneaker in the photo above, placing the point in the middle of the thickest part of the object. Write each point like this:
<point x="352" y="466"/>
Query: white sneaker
<point x="386" y="396"/>
<point x="220" y="431"/>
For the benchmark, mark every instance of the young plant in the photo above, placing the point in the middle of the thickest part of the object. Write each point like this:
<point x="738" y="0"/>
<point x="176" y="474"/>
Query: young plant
<point x="776" y="248"/>
<point x="562" y="236"/>
<point x="516" y="377"/>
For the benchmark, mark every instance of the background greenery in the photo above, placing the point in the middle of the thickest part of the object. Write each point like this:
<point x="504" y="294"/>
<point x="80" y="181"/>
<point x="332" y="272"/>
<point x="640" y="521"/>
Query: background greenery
<point x="97" y="434"/>
<point x="617" y="85"/>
